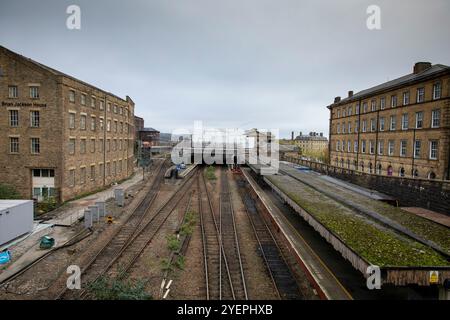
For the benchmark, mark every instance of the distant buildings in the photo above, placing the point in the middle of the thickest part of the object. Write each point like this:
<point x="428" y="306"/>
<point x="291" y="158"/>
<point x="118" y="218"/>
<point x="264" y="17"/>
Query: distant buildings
<point x="60" y="137"/>
<point x="314" y="145"/>
<point x="398" y="128"/>
<point x="150" y="137"/>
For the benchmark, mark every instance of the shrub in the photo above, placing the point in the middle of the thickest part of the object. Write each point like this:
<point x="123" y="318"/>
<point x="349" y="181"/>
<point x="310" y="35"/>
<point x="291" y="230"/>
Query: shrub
<point x="8" y="192"/>
<point x="105" y="288"/>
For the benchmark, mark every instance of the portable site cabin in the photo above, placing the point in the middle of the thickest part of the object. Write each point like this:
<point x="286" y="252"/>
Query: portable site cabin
<point x="16" y="219"/>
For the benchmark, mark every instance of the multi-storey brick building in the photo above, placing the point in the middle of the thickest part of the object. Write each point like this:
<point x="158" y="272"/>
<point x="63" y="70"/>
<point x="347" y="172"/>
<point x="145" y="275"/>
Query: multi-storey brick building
<point x="60" y="136"/>
<point x="398" y="128"/>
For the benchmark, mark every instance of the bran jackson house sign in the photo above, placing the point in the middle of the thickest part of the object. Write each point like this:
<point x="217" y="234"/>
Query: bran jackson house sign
<point x="24" y="104"/>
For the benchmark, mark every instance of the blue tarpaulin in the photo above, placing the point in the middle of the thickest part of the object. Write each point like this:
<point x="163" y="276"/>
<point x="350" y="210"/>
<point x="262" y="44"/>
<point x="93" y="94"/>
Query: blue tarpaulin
<point x="5" y="257"/>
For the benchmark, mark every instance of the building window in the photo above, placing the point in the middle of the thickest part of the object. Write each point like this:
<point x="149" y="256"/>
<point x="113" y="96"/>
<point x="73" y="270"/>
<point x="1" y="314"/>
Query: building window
<point x="13" y="92"/>
<point x="83" y="122"/>
<point x="121" y="110"/>
<point x="364" y="125"/>
<point x="108" y="145"/>
<point x="71" y="120"/>
<point x="72" y="178"/>
<point x="101" y="123"/>
<point x="401" y="172"/>
<point x="380" y="147"/>
<point x="349" y="146"/>
<point x="419" y="120"/>
<point x="72" y="96"/>
<point x="391" y="147"/>
<point x="393" y="101"/>
<point x="349" y="127"/>
<point x="365" y="107"/>
<point x="350" y="110"/>
<point x="108" y="125"/>
<point x="114" y="168"/>
<point x="100" y="145"/>
<point x="417" y="145"/>
<point x="108" y="107"/>
<point x="115" y="108"/>
<point x="393" y="123"/>
<point x="92" y="172"/>
<point x="433" y="149"/>
<point x="355" y="146"/>
<point x="357" y="108"/>
<point x="405" y="122"/>
<point x="102" y="105"/>
<point x="343" y="128"/>
<point x="35" y="146"/>
<point x="71" y="146"/>
<point x="363" y="146"/>
<point x="372" y="125"/>
<point x="381" y="124"/>
<point x="406" y="98"/>
<point x="34" y="119"/>
<point x="115" y="125"/>
<point x="83" y="99"/>
<point x="34" y="92"/>
<point x="338" y="128"/>
<point x="356" y="126"/>
<point x="108" y="169"/>
<point x="83" y="175"/>
<point x="403" y="144"/>
<point x="14" y="118"/>
<point x="420" y="95"/>
<point x="343" y="146"/>
<point x="435" y="118"/>
<point x="93" y="102"/>
<point x="83" y="146"/>
<point x="437" y="91"/>
<point x="337" y="145"/>
<point x="371" y="147"/>
<point x="93" y="123"/>
<point x="373" y="105"/>
<point x="14" y="145"/>
<point x="382" y="103"/>
<point x="92" y="145"/>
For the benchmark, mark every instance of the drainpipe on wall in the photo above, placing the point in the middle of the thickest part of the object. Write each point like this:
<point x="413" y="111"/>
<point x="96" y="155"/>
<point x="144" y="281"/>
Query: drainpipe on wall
<point x="413" y="154"/>
<point x="104" y="142"/>
<point x="376" y="139"/>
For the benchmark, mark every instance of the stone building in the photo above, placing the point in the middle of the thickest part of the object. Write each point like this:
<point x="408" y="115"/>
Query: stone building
<point x="149" y="137"/>
<point x="60" y="137"/>
<point x="138" y="126"/>
<point x="398" y="128"/>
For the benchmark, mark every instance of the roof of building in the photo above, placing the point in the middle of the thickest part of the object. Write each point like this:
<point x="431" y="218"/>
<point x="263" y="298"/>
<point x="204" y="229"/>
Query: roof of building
<point x="316" y="138"/>
<point x="149" y="130"/>
<point x="58" y="73"/>
<point x="402" y="81"/>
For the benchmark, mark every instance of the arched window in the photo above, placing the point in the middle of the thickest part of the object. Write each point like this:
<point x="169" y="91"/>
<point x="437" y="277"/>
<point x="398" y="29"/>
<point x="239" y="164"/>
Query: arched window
<point x="415" y="173"/>
<point x="390" y="171"/>
<point x="379" y="168"/>
<point x="370" y="167"/>
<point x="401" y="172"/>
<point x="431" y="175"/>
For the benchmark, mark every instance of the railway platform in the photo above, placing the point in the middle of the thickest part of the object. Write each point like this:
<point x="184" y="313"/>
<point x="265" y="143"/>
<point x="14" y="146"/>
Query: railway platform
<point x="326" y="284"/>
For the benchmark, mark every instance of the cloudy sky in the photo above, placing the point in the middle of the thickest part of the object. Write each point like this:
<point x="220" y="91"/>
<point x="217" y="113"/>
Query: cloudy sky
<point x="234" y="63"/>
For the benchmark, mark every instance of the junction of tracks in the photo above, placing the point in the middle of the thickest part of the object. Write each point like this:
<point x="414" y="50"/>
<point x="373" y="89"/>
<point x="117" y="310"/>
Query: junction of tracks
<point x="216" y="233"/>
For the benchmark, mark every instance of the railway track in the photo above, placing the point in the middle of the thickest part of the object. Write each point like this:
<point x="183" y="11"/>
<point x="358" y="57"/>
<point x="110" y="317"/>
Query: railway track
<point x="280" y="273"/>
<point x="100" y="262"/>
<point x="230" y="242"/>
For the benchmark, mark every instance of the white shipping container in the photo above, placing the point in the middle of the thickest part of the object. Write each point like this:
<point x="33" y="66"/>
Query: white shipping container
<point x="16" y="219"/>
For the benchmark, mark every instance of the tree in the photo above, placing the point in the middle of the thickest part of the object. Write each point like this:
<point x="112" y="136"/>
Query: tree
<point x="8" y="192"/>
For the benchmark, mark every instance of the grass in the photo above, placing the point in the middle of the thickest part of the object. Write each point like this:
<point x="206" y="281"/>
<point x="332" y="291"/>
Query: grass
<point x="210" y="173"/>
<point x="377" y="245"/>
<point x="105" y="288"/>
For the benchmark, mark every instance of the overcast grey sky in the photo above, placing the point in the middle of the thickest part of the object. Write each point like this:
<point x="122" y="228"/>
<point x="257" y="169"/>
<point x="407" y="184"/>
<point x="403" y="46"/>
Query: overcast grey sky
<point x="230" y="63"/>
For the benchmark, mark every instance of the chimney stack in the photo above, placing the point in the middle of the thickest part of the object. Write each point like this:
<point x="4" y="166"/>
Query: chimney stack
<point x="421" y="66"/>
<point x="300" y="134"/>
<point x="292" y="135"/>
<point x="321" y="134"/>
<point x="350" y="93"/>
<point x="337" y="99"/>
